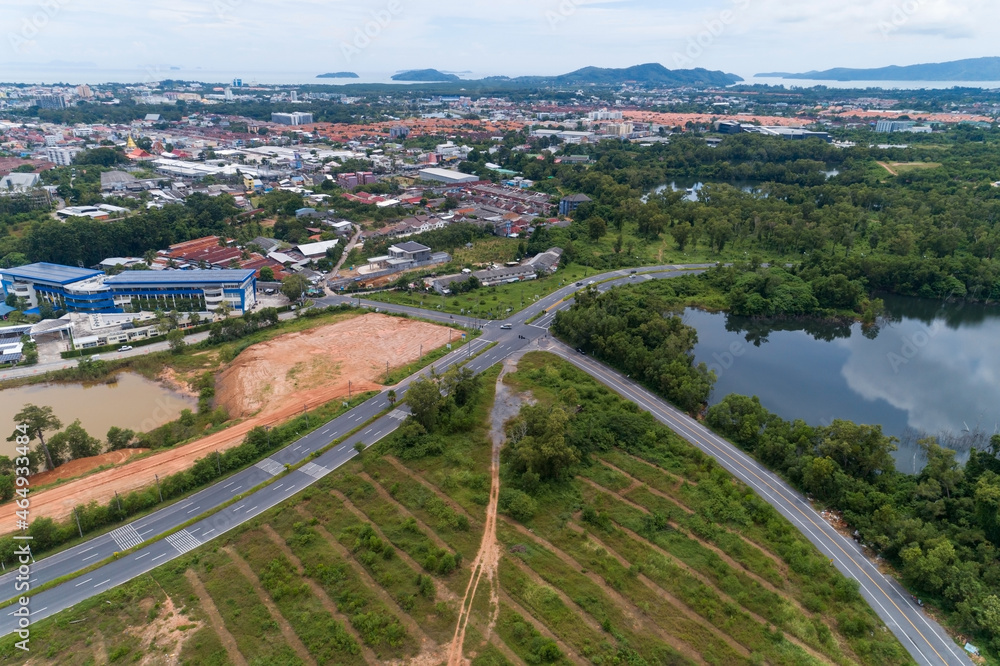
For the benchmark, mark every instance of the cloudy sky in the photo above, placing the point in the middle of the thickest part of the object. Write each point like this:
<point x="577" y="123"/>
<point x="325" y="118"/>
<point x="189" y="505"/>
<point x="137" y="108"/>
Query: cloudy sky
<point x="507" y="37"/>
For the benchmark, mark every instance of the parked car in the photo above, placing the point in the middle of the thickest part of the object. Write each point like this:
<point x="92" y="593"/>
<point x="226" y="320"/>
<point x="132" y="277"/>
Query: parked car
<point x="125" y="348"/>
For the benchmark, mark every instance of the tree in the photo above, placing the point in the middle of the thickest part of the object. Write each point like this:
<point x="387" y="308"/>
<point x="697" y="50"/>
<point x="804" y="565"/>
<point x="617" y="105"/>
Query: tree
<point x="294" y="286"/>
<point x="75" y="442"/>
<point x="596" y="228"/>
<point x="391" y="396"/>
<point x="223" y="310"/>
<point x="194" y="319"/>
<point x="175" y="339"/>
<point x="267" y="274"/>
<point x="119" y="438"/>
<point x="424" y="399"/>
<point x="38" y="420"/>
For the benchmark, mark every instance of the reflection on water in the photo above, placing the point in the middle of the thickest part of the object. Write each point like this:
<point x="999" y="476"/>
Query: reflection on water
<point x="132" y="402"/>
<point x="927" y="368"/>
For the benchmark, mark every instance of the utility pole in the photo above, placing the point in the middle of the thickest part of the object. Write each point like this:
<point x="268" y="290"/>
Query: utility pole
<point x="348" y="389"/>
<point x="421" y="354"/>
<point x="218" y="462"/>
<point x="78" y="528"/>
<point x="387" y="372"/>
<point x="307" y="415"/>
<point x="158" y="491"/>
<point x="118" y="499"/>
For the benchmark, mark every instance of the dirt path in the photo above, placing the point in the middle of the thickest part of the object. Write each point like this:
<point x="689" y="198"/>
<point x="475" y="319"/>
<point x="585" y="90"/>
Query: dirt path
<point x="506" y="405"/>
<point x="320" y="593"/>
<point x="286" y="629"/>
<point x="215" y="619"/>
<point x="888" y="168"/>
<point x="570" y="653"/>
<point x="778" y="562"/>
<point x="391" y="604"/>
<point x="269" y="383"/>
<point x="431" y="487"/>
<point x="733" y="564"/>
<point x="641" y="622"/>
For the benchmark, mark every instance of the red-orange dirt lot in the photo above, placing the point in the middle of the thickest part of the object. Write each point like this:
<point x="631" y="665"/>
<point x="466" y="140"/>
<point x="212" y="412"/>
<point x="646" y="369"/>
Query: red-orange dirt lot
<point x="267" y="384"/>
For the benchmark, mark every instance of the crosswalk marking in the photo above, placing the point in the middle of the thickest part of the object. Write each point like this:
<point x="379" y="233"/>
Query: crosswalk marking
<point x="398" y="414"/>
<point x="126" y="537"/>
<point x="272" y="467"/>
<point x="314" y="470"/>
<point x="183" y="541"/>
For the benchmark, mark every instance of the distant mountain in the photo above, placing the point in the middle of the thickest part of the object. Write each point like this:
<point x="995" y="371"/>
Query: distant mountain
<point x="424" y="75"/>
<point x="338" y="75"/>
<point x="650" y="73"/>
<point x="971" y="69"/>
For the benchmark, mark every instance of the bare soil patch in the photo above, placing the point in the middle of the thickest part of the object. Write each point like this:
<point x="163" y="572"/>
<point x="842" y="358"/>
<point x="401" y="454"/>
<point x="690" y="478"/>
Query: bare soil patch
<point x="215" y="619"/>
<point x="314" y="366"/>
<point x="302" y="370"/>
<point x="81" y="466"/>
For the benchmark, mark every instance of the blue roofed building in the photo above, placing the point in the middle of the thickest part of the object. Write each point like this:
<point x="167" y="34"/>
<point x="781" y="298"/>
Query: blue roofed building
<point x="90" y="291"/>
<point x="62" y="287"/>
<point x="184" y="290"/>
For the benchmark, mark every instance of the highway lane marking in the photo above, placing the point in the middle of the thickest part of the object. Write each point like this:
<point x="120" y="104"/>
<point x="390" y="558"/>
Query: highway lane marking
<point x="239" y="507"/>
<point x="142" y="556"/>
<point x="228" y="484"/>
<point x="99" y="584"/>
<point x="193" y="510"/>
<point x="85" y="550"/>
<point x="194" y="530"/>
<point x="278" y="486"/>
<point x="366" y="431"/>
<point x="183" y="541"/>
<point x="208" y="532"/>
<point x="46" y="607"/>
<point x="158" y="557"/>
<point x="252" y="508"/>
<point x="707" y="440"/>
<point x="325" y="431"/>
<point x="126" y="537"/>
<point x="236" y="488"/>
<point x="271" y="466"/>
<point x="89" y="557"/>
<point x="83" y="581"/>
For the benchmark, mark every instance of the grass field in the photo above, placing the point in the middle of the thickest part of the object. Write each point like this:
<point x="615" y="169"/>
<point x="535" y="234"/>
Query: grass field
<point x="651" y="554"/>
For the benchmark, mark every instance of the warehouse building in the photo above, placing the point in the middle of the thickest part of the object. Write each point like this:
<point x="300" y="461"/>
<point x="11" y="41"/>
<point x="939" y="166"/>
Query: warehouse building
<point x="92" y="292"/>
<point x="447" y="176"/>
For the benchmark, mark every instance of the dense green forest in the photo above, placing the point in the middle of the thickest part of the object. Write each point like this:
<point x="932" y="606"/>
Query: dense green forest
<point x="939" y="528"/>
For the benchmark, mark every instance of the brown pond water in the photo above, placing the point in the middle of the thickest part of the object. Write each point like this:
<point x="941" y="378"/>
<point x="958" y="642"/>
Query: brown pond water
<point x="131" y="402"/>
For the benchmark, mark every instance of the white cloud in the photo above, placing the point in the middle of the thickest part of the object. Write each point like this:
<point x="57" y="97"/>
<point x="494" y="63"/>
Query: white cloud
<point x="515" y="37"/>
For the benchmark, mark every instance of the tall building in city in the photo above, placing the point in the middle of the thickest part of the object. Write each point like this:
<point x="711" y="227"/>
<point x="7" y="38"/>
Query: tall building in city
<point x="297" y="118"/>
<point x="84" y="91"/>
<point x="294" y="95"/>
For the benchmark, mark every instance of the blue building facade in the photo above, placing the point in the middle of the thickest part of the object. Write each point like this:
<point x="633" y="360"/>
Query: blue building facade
<point x="62" y="287"/>
<point x="90" y="291"/>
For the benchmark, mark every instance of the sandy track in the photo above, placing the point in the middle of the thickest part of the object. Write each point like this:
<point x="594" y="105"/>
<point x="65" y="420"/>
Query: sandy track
<point x="274" y="380"/>
<point x="487" y="561"/>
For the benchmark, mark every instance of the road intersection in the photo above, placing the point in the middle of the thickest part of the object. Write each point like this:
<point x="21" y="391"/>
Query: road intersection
<point x="260" y="487"/>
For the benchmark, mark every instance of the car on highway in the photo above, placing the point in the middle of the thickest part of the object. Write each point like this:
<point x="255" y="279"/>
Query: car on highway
<point x="580" y="349"/>
<point x="632" y="272"/>
<point x="125" y="348"/>
<point x="506" y="327"/>
<point x="590" y="283"/>
<point x="579" y="284"/>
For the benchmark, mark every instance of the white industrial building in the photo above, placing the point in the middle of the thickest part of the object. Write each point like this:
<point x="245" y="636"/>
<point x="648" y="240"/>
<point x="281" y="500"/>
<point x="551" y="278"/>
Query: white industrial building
<point x="449" y="176"/>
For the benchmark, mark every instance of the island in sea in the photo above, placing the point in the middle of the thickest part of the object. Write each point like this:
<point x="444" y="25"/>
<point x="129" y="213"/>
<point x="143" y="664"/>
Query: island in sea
<point x="338" y="75"/>
<point x="431" y="75"/>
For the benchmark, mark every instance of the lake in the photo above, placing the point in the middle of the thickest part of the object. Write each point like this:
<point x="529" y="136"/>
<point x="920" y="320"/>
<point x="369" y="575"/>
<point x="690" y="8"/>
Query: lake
<point x="929" y="368"/>
<point x="131" y="402"/>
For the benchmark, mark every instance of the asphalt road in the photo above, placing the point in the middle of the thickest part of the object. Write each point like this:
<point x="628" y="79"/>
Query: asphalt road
<point x="921" y="636"/>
